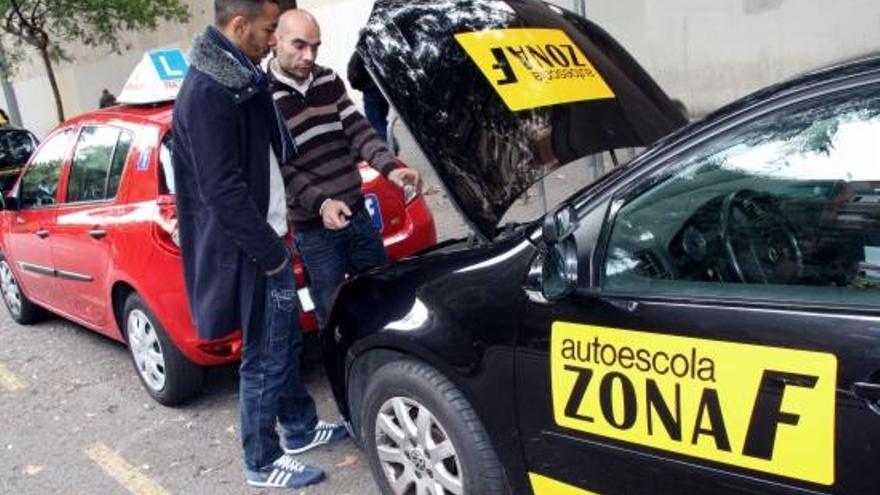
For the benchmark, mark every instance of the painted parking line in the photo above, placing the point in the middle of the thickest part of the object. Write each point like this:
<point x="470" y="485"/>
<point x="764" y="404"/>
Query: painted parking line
<point x="9" y="381"/>
<point x="124" y="473"/>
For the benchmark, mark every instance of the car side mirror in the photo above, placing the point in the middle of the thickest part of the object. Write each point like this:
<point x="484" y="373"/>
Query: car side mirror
<point x="553" y="273"/>
<point x="555" y="280"/>
<point x="559" y="225"/>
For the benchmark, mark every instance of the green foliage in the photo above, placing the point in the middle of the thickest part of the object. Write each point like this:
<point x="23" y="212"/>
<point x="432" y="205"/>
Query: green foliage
<point x="49" y="25"/>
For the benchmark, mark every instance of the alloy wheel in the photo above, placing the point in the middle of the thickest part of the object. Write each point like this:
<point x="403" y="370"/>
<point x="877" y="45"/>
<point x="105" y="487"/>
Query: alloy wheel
<point x="9" y="288"/>
<point x="416" y="454"/>
<point x="146" y="349"/>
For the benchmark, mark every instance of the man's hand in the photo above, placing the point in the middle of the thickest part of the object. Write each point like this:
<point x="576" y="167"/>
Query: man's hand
<point x="335" y="214"/>
<point x="404" y="177"/>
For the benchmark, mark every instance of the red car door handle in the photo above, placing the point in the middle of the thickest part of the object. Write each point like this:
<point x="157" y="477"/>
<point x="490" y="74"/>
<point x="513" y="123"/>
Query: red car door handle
<point x="97" y="233"/>
<point x="42" y="233"/>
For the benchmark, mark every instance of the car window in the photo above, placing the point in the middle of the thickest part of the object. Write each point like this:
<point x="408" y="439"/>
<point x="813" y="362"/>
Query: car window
<point x="40" y="182"/>
<point x="785" y="207"/>
<point x="16" y="147"/>
<point x="166" y="171"/>
<point x="117" y="165"/>
<point x="98" y="162"/>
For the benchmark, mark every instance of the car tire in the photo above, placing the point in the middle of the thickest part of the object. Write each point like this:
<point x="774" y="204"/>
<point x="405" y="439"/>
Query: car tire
<point x="167" y="375"/>
<point x="20" y="308"/>
<point x="449" y="451"/>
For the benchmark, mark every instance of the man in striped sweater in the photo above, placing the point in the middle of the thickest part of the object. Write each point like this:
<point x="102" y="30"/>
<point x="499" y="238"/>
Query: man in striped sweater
<point x="333" y="231"/>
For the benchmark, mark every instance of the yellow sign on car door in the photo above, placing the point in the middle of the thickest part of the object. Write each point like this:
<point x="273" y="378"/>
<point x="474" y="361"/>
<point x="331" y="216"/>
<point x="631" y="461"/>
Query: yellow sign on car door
<point x="769" y="409"/>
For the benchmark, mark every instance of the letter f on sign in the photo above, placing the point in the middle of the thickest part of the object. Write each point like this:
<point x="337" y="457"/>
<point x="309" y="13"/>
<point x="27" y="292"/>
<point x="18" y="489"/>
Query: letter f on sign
<point x="502" y="64"/>
<point x="768" y="414"/>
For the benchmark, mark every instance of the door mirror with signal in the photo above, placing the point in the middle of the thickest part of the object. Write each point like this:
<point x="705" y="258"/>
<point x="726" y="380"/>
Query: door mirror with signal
<point x="553" y="274"/>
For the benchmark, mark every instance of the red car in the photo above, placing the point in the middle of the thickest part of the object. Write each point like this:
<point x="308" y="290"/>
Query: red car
<point x="89" y="233"/>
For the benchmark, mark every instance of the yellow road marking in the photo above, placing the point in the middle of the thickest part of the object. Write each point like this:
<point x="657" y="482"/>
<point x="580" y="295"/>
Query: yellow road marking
<point x="9" y="381"/>
<point x="124" y="473"/>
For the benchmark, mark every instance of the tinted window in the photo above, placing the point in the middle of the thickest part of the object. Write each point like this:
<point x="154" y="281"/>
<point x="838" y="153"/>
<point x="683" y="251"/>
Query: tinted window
<point x="16" y="147"/>
<point x="117" y="165"/>
<point x="100" y="157"/>
<point x="166" y="171"/>
<point x="784" y="207"/>
<point x="40" y="182"/>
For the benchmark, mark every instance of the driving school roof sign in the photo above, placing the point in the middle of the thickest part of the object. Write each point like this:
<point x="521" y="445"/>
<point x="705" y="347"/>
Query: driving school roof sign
<point x="156" y="78"/>
<point x="532" y="68"/>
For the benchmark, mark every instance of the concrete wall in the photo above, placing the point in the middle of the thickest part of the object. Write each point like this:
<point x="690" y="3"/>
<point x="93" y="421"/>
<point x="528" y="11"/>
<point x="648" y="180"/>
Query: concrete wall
<point x="708" y="53"/>
<point x="704" y="52"/>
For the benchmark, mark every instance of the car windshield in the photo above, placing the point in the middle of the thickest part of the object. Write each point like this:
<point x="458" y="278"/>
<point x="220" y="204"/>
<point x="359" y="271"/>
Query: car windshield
<point x="16" y="147"/>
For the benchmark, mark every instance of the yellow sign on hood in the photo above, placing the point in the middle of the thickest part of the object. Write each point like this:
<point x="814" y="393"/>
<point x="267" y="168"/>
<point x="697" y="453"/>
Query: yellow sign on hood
<point x="532" y="68"/>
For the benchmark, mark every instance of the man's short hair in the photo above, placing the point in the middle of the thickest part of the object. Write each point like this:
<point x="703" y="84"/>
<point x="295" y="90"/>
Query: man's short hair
<point x="226" y="10"/>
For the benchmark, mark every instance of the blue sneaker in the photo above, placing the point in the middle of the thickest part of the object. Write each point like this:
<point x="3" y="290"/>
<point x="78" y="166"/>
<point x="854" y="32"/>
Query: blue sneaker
<point x="322" y="433"/>
<point x="285" y="472"/>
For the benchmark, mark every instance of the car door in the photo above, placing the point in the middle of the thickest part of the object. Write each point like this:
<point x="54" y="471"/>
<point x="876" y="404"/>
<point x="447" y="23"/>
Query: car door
<point x="82" y="241"/>
<point x="31" y="226"/>
<point x="726" y="338"/>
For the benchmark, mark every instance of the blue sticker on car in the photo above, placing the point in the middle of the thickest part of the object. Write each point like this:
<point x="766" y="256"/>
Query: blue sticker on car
<point x="371" y="201"/>
<point x="143" y="161"/>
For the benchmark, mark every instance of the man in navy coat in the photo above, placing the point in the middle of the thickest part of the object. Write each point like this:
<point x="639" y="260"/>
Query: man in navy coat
<point x="228" y="143"/>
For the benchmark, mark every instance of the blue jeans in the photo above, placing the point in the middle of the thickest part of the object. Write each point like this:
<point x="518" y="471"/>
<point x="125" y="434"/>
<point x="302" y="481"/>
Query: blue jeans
<point x="376" y="110"/>
<point x="270" y="386"/>
<point x="328" y="255"/>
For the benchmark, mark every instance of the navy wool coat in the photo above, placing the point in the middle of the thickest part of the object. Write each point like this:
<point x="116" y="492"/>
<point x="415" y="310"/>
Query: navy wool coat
<point x="222" y="127"/>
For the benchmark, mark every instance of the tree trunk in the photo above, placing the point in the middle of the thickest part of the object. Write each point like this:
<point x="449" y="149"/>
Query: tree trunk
<point x="44" y="53"/>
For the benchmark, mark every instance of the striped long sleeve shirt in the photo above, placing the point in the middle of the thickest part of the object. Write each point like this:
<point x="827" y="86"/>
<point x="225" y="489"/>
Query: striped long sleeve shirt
<point x="331" y="138"/>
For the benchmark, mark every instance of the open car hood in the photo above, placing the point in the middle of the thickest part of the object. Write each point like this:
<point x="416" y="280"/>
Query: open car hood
<point x="499" y="93"/>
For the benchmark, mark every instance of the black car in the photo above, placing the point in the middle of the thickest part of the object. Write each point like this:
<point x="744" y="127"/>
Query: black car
<point x="704" y="319"/>
<point x="16" y="146"/>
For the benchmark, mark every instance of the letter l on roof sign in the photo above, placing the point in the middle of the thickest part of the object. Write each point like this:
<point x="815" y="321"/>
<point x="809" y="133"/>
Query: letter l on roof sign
<point x="170" y="64"/>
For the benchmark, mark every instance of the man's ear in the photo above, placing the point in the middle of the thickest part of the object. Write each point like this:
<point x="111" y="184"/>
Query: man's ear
<point x="238" y="26"/>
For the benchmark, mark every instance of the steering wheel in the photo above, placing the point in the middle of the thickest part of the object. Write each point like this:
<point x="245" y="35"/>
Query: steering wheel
<point x="760" y="244"/>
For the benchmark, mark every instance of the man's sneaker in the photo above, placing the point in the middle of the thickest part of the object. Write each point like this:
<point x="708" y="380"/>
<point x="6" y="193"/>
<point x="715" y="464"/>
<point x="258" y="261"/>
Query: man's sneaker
<point x="322" y="433"/>
<point x="285" y="472"/>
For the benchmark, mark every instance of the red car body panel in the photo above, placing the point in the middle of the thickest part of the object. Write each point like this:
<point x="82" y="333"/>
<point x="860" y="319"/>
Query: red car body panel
<point x="100" y="251"/>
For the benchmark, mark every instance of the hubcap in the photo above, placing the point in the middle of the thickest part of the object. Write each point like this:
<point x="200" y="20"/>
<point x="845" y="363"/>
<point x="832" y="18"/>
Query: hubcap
<point x="416" y="454"/>
<point x="146" y="349"/>
<point x="9" y="288"/>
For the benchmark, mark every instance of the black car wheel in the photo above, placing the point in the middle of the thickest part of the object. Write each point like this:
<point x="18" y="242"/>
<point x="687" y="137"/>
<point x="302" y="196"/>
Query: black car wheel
<point x="422" y="436"/>
<point x="164" y="371"/>
<point x="20" y="308"/>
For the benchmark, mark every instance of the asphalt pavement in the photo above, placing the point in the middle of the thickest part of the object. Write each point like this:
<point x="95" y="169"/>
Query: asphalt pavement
<point x="74" y="419"/>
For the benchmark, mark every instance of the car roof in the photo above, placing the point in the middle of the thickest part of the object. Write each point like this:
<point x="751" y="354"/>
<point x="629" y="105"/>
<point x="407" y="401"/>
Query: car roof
<point x="158" y="114"/>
